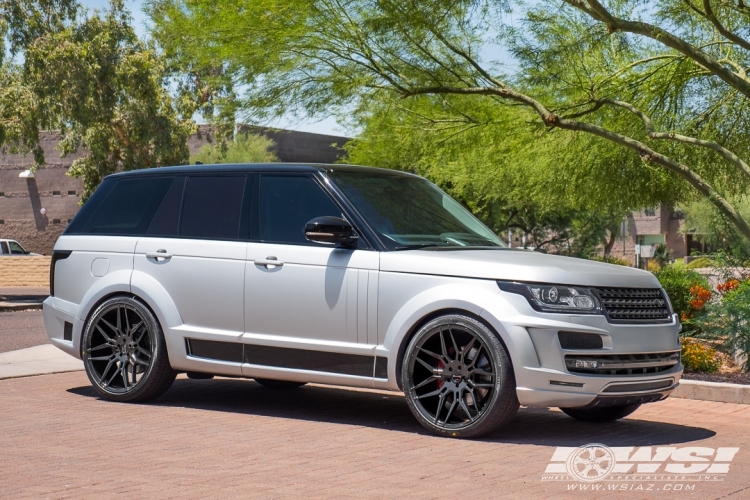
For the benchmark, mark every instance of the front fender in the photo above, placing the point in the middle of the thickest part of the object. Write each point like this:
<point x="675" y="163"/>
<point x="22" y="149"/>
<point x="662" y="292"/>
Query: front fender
<point x="457" y="297"/>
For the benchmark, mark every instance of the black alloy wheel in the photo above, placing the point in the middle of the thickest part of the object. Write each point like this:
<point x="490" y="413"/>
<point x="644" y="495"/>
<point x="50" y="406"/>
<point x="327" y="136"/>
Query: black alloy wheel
<point x="458" y="379"/>
<point x="124" y="352"/>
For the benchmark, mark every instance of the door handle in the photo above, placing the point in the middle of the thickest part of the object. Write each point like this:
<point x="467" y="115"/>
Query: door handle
<point x="159" y="254"/>
<point x="270" y="262"/>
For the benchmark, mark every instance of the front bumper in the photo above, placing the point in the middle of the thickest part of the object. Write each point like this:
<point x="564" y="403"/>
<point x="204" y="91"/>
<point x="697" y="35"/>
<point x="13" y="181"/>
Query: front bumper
<point x="542" y="377"/>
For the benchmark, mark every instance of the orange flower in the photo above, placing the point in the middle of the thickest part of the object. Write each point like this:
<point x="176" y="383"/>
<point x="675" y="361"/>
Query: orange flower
<point x="728" y="286"/>
<point x="700" y="294"/>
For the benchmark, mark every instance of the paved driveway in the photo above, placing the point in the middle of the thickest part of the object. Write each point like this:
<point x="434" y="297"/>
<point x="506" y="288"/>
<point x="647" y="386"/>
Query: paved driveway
<point x="21" y="329"/>
<point x="232" y="438"/>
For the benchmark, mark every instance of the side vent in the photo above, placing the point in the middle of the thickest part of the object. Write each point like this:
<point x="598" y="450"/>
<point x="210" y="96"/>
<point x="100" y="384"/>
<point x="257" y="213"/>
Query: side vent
<point x="68" y="331"/>
<point x="579" y="340"/>
<point x="210" y="349"/>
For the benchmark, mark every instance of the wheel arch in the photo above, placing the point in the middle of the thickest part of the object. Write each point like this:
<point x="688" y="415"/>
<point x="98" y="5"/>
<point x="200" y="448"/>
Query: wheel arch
<point x="104" y="299"/>
<point x="431" y="316"/>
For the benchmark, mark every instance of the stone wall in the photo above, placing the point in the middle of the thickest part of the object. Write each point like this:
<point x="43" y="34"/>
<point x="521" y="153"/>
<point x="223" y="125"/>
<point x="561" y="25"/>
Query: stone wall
<point x="22" y="200"/>
<point x="24" y="271"/>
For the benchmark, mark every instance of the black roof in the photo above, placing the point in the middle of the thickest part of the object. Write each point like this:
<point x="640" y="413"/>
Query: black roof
<point x="261" y="167"/>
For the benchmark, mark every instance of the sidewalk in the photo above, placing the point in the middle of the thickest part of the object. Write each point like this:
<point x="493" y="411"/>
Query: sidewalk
<point x="22" y="298"/>
<point x="40" y="360"/>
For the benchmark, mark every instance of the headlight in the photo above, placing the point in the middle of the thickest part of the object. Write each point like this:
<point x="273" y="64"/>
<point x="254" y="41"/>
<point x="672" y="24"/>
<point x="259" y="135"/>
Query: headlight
<point x="555" y="298"/>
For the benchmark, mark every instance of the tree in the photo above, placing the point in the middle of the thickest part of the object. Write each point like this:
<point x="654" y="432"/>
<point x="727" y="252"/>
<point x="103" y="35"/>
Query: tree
<point x="665" y="80"/>
<point x="246" y="148"/>
<point x="539" y="185"/>
<point x="92" y="79"/>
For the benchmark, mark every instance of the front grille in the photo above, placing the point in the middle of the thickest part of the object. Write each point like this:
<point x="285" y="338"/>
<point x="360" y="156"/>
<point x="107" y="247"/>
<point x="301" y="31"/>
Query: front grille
<point x="635" y="305"/>
<point x="622" y="364"/>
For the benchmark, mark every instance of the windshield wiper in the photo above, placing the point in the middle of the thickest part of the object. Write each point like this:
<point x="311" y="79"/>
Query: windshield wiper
<point x="417" y="247"/>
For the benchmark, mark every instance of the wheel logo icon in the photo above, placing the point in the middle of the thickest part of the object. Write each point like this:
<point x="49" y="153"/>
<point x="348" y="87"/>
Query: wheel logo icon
<point x="591" y="462"/>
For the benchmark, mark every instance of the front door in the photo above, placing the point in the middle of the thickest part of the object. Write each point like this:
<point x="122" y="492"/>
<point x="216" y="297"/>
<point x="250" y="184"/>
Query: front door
<point x="304" y="295"/>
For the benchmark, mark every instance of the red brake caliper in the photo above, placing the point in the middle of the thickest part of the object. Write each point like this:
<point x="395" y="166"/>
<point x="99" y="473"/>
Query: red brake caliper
<point x="440" y="381"/>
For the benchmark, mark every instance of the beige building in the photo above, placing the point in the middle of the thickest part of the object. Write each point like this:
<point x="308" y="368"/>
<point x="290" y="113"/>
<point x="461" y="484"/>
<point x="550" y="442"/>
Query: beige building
<point x="660" y="225"/>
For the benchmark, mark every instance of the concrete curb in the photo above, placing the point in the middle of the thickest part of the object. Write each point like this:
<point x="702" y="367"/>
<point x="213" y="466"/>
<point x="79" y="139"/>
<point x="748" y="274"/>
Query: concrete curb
<point x="19" y="306"/>
<point x="40" y="360"/>
<point x="713" y="391"/>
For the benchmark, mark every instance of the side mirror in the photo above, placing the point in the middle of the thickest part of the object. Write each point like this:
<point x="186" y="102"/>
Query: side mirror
<point x="331" y="231"/>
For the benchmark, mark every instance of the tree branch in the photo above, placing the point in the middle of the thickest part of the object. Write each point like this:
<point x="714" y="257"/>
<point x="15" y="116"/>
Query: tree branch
<point x="733" y="37"/>
<point x="647" y="123"/>
<point x="595" y="9"/>
<point x="646" y="153"/>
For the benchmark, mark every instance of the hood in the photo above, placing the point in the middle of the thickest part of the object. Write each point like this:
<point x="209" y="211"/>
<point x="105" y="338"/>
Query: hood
<point x="515" y="265"/>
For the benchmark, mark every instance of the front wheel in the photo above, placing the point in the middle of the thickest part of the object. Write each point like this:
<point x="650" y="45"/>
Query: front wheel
<point x="605" y="414"/>
<point x="458" y="379"/>
<point x="124" y="352"/>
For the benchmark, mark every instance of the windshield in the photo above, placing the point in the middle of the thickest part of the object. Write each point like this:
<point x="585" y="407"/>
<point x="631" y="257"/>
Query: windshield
<point x="411" y="212"/>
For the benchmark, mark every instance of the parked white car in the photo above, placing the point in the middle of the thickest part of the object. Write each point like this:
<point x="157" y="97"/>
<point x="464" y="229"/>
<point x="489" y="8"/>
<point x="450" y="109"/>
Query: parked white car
<point x="13" y="248"/>
<point x="352" y="276"/>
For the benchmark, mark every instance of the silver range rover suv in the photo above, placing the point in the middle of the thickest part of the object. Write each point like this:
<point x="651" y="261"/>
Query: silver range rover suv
<point x="353" y="276"/>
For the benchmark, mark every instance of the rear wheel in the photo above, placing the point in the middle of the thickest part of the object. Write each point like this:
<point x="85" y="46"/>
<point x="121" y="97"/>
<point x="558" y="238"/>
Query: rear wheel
<point x="457" y="378"/>
<point x="278" y="384"/>
<point x="124" y="352"/>
<point x="605" y="414"/>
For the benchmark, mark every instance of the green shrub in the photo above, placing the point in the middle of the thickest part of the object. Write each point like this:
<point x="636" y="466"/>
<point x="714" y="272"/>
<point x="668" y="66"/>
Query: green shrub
<point x="246" y="148"/>
<point x="728" y="320"/>
<point x="698" y="358"/>
<point x="700" y="262"/>
<point x="677" y="281"/>
<point x="662" y="255"/>
<point x="611" y="259"/>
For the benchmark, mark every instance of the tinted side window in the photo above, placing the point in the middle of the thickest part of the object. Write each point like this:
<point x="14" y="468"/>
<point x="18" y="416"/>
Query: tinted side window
<point x="89" y="208"/>
<point x="4" y="247"/>
<point x="129" y="206"/>
<point x="15" y="248"/>
<point x="167" y="216"/>
<point x="212" y="207"/>
<point x="287" y="203"/>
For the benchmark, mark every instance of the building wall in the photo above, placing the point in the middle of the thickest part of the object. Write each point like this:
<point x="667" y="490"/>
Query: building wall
<point x="22" y="199"/>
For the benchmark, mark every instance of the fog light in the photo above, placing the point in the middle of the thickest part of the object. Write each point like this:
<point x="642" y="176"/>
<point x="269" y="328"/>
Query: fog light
<point x="580" y="363"/>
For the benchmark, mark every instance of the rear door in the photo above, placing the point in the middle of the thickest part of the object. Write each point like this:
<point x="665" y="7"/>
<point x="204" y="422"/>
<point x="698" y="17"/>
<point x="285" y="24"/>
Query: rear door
<point x="194" y="250"/>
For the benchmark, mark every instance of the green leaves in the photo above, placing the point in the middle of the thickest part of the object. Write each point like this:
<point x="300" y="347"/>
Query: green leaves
<point x="677" y="65"/>
<point x="92" y="79"/>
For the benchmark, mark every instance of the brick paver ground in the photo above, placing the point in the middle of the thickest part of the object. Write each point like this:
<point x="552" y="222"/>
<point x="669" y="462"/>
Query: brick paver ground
<point x="232" y="438"/>
<point x="21" y="329"/>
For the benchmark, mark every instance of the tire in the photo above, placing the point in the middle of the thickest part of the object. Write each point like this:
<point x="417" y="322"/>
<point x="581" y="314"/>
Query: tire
<point x="454" y="363"/>
<point x="124" y="352"/>
<point x="279" y="384"/>
<point x="606" y="414"/>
